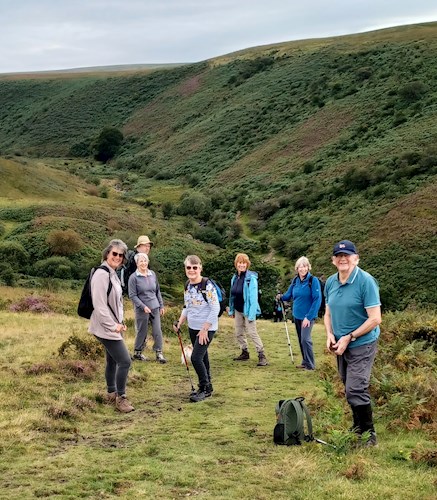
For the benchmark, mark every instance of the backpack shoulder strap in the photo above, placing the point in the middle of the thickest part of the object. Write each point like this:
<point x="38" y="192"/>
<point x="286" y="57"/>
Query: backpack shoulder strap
<point x="109" y="290"/>
<point x="309" y="436"/>
<point x="110" y="282"/>
<point x="203" y="284"/>
<point x="310" y="281"/>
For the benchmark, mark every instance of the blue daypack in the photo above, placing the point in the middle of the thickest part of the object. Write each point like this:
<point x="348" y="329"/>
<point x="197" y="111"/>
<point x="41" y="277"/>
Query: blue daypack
<point x="221" y="293"/>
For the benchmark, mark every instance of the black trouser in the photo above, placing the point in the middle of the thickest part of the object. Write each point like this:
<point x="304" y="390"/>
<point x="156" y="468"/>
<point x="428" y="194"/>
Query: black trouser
<point x="199" y="357"/>
<point x="117" y="365"/>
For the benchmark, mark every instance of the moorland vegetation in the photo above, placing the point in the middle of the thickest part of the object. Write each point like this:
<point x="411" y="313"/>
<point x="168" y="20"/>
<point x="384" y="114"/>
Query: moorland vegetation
<point x="277" y="151"/>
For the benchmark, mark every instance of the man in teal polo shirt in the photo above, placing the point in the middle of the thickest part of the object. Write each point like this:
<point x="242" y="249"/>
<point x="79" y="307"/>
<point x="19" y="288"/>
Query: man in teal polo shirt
<point x="352" y="318"/>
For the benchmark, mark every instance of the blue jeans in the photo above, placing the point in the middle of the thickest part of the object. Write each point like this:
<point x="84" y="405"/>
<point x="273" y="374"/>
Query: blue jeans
<point x="305" y="343"/>
<point x="117" y="365"/>
<point x="199" y="357"/>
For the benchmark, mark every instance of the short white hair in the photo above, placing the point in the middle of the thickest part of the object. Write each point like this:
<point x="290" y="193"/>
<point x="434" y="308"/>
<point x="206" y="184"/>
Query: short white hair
<point x="139" y="255"/>
<point x="302" y="261"/>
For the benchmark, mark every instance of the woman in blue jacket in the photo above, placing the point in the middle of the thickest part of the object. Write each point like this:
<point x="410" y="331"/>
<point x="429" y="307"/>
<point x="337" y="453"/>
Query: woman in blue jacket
<point x="306" y="294"/>
<point x="244" y="307"/>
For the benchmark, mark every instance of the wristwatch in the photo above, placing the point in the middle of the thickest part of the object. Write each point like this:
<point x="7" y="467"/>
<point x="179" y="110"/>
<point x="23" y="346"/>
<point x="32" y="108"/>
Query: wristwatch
<point x="353" y="339"/>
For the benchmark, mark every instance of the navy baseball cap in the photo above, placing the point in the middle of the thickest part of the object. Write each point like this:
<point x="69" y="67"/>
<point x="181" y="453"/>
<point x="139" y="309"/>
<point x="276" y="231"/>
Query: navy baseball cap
<point x="344" y="246"/>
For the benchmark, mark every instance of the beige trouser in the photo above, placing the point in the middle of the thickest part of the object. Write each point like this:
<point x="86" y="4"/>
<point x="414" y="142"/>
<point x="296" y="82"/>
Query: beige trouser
<point x="242" y="327"/>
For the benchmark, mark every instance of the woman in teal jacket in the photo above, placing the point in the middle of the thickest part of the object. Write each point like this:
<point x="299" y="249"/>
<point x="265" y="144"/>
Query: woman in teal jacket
<point x="244" y="308"/>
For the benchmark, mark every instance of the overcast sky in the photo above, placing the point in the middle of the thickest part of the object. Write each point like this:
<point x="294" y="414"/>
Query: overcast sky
<point x="56" y="34"/>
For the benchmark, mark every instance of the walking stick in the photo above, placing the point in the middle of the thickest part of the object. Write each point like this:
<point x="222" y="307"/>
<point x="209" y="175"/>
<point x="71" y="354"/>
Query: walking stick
<point x="193" y="390"/>
<point x="286" y="331"/>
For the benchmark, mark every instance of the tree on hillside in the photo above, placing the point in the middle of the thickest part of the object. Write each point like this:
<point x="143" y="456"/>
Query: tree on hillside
<point x="108" y="144"/>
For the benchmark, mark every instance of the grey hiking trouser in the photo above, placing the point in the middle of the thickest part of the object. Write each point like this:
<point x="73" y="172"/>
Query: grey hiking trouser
<point x="305" y="343"/>
<point x="142" y="327"/>
<point x="354" y="367"/>
<point x="117" y="365"/>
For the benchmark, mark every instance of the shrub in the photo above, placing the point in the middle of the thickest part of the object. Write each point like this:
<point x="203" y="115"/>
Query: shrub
<point x="413" y="91"/>
<point x="81" y="347"/>
<point x="167" y="209"/>
<point x="65" y="242"/>
<point x="7" y="274"/>
<point x="14" y="253"/>
<point x="54" y="267"/>
<point x="108" y="144"/>
<point x="196" y="205"/>
<point x="30" y="304"/>
<point x="209" y="235"/>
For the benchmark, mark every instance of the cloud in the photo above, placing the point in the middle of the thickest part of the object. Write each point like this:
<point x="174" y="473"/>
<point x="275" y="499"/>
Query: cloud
<point x="50" y="34"/>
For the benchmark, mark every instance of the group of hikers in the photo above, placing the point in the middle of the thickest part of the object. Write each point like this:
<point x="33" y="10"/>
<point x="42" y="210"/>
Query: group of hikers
<point x="352" y="317"/>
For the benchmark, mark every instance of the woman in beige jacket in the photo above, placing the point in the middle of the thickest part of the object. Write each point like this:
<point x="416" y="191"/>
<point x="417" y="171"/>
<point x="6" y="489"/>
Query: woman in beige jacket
<point x="106" y="323"/>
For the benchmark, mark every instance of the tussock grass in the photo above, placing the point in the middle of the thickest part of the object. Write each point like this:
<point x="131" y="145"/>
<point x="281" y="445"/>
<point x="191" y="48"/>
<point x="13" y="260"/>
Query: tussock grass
<point x="59" y="439"/>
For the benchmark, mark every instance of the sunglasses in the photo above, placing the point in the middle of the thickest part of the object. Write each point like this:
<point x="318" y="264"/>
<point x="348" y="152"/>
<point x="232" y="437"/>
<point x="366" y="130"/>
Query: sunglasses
<point x="116" y="254"/>
<point x="194" y="268"/>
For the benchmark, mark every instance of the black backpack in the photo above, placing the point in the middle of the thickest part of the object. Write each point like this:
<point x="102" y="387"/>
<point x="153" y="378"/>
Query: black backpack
<point x="291" y="415"/>
<point x="85" y="307"/>
<point x="221" y="293"/>
<point x="124" y="271"/>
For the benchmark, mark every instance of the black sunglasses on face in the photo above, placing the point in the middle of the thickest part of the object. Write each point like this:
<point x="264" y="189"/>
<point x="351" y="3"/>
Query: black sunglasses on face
<point x="194" y="268"/>
<point x="116" y="254"/>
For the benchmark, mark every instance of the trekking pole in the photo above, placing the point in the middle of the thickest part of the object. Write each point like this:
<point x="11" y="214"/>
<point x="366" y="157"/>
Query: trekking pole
<point x="193" y="390"/>
<point x="325" y="443"/>
<point x="286" y="331"/>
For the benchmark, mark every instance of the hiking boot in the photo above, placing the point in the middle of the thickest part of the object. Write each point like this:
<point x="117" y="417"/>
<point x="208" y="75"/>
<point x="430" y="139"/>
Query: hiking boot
<point x="208" y="390"/>
<point x="122" y="404"/>
<point x="160" y="358"/>
<point x="244" y="356"/>
<point x="110" y="398"/>
<point x="139" y="356"/>
<point x="262" y="360"/>
<point x="200" y="395"/>
<point x="371" y="441"/>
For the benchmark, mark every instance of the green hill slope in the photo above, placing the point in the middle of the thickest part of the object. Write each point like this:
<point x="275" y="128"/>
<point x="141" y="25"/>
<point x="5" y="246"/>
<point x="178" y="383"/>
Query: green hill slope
<point x="298" y="143"/>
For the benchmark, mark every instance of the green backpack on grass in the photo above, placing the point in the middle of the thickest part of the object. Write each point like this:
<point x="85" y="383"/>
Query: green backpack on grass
<point x="291" y="415"/>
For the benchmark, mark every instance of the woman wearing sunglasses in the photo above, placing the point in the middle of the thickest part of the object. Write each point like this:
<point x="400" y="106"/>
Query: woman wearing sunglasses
<point x="201" y="309"/>
<point x="106" y="323"/>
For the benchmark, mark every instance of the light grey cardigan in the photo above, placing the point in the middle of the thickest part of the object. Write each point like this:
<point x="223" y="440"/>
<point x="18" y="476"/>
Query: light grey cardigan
<point x="102" y="322"/>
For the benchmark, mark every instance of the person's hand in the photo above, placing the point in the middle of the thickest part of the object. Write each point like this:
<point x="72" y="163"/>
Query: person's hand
<point x="120" y="328"/>
<point x="147" y="310"/>
<point x="203" y="337"/>
<point x="341" y="345"/>
<point x="330" y="342"/>
<point x="306" y="323"/>
<point x="162" y="311"/>
<point x="176" y="327"/>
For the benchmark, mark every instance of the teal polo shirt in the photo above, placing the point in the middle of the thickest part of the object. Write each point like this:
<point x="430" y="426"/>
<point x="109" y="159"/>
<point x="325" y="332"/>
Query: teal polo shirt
<point x="348" y="302"/>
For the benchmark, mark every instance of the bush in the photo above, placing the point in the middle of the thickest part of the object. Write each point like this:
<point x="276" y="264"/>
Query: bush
<point x="108" y="144"/>
<point x="7" y="274"/>
<point x="54" y="267"/>
<point x="65" y="242"/>
<point x="167" y="209"/>
<point x="14" y="253"/>
<point x="209" y="235"/>
<point x="30" y="304"/>
<point x="196" y="205"/>
<point x="413" y="91"/>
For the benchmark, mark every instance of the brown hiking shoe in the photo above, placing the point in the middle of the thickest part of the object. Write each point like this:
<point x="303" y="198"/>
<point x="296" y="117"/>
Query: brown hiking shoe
<point x="244" y="356"/>
<point x="122" y="404"/>
<point x="262" y="360"/>
<point x="110" y="398"/>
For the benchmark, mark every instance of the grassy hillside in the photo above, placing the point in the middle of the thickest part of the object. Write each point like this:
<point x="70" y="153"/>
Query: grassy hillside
<point x="294" y="145"/>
